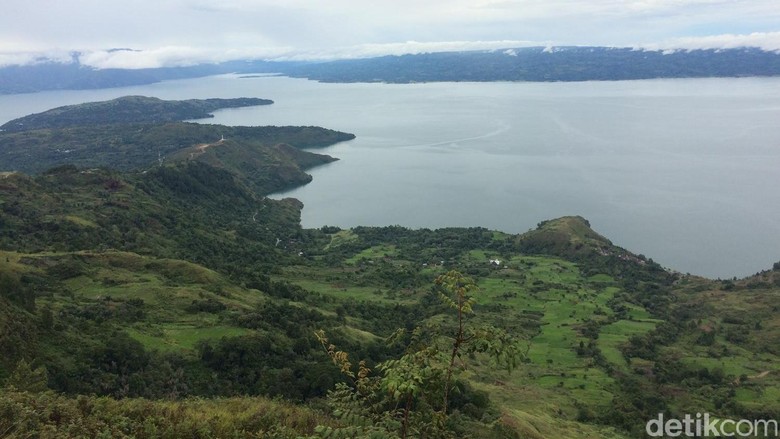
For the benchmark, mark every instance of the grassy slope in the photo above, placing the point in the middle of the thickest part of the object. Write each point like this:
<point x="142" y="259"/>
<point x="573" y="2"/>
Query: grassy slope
<point x="166" y="286"/>
<point x="744" y="322"/>
<point x="546" y="299"/>
<point x="552" y="301"/>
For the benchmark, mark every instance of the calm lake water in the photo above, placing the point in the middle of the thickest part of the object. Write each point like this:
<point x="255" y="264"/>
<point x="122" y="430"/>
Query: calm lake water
<point x="685" y="171"/>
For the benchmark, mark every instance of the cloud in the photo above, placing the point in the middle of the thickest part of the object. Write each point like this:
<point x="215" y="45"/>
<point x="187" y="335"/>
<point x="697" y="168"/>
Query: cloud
<point x="768" y="41"/>
<point x="407" y="48"/>
<point x="34" y="57"/>
<point x="173" y="56"/>
<point x="187" y="32"/>
<point x="181" y="56"/>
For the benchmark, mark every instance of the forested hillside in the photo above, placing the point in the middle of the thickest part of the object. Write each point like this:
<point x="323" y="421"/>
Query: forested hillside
<point x="152" y="135"/>
<point x="547" y="64"/>
<point x="173" y="298"/>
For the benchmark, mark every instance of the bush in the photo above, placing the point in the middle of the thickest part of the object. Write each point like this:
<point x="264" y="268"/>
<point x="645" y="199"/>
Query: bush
<point x="24" y="414"/>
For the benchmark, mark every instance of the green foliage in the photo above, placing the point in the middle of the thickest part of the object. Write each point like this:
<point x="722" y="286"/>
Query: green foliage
<point x="411" y="397"/>
<point x="193" y="212"/>
<point x="457" y="291"/>
<point x="56" y="416"/>
<point x="26" y="379"/>
<point x="13" y="289"/>
<point x="18" y="336"/>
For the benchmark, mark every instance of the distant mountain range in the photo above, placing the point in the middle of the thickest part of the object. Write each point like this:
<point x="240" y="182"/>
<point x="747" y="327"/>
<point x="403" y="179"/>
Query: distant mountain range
<point x="546" y="64"/>
<point x="523" y="64"/>
<point x="76" y="76"/>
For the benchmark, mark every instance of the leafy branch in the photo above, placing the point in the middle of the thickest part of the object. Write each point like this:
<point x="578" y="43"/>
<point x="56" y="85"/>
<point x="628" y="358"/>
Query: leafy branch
<point x="411" y="397"/>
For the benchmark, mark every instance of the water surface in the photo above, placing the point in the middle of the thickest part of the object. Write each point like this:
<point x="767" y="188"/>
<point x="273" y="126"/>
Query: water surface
<point x="682" y="170"/>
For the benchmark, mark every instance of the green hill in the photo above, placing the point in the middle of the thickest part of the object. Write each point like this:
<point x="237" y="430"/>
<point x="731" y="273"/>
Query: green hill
<point x="182" y="289"/>
<point x="125" y="110"/>
<point x="141" y="147"/>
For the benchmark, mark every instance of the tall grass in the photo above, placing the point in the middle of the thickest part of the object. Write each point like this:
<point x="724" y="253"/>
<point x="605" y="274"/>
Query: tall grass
<point x="50" y="415"/>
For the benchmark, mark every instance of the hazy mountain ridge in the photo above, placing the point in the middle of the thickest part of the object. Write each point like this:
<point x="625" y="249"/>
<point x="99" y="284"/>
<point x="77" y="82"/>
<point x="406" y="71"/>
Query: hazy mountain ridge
<point x="46" y="75"/>
<point x="547" y="64"/>
<point x="566" y="63"/>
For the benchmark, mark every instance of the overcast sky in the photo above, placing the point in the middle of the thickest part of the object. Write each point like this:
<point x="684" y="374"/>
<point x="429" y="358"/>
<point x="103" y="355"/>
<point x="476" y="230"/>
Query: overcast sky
<point x="178" y="32"/>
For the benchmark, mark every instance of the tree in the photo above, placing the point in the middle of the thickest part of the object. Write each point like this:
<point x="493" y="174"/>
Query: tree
<point x="411" y="395"/>
<point x="26" y="379"/>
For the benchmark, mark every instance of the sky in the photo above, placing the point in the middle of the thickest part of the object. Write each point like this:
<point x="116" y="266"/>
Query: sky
<point x="185" y="32"/>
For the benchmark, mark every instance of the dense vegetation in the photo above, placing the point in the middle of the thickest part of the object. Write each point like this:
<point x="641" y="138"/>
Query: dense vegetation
<point x="56" y="416"/>
<point x="264" y="158"/>
<point x="173" y="302"/>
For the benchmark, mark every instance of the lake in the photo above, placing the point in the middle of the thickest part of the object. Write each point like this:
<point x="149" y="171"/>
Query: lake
<point x="685" y="171"/>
